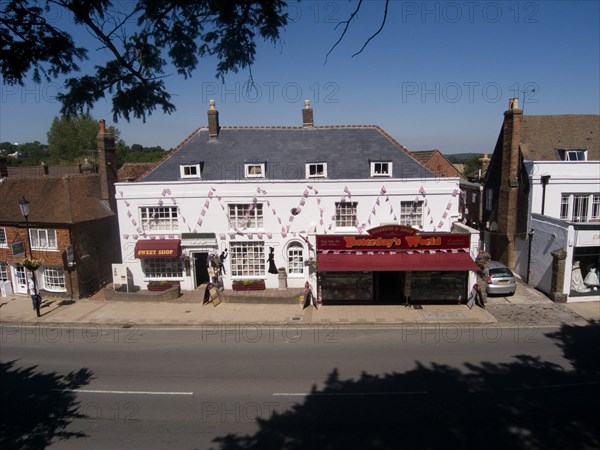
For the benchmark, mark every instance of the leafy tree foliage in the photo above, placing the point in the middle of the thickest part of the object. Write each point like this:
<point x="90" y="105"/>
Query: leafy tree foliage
<point x="72" y="138"/>
<point x="141" y="43"/>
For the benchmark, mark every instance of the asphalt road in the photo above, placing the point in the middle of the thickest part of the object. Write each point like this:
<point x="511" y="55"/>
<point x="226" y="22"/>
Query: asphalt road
<point x="242" y="387"/>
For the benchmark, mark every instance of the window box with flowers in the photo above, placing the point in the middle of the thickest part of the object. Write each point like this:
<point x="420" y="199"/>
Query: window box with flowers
<point x="249" y="285"/>
<point x="158" y="286"/>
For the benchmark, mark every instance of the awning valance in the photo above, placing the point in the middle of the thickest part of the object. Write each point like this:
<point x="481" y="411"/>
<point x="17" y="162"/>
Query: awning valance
<point x="394" y="261"/>
<point x="158" y="248"/>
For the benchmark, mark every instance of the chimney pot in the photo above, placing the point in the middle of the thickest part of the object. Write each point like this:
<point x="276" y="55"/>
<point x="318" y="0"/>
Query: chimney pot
<point x="307" y="115"/>
<point x="513" y="103"/>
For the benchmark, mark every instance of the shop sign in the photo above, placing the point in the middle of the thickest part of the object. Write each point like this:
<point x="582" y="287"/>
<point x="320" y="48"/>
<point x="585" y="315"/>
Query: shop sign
<point x="588" y="238"/>
<point x="394" y="237"/>
<point x="18" y="248"/>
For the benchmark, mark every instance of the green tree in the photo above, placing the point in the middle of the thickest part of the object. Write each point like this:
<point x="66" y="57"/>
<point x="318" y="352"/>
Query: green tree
<point x="72" y="138"/>
<point x="143" y="39"/>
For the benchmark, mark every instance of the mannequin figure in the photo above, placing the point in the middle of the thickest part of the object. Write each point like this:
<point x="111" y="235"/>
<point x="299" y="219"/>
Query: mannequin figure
<point x="577" y="283"/>
<point x="591" y="279"/>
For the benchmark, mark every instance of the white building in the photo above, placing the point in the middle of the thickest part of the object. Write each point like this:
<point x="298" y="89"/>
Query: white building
<point x="262" y="195"/>
<point x="543" y="202"/>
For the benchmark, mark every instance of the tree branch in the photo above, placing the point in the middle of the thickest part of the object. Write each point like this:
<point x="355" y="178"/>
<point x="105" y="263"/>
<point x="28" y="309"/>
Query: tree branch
<point x="347" y="25"/>
<point x="385" y="12"/>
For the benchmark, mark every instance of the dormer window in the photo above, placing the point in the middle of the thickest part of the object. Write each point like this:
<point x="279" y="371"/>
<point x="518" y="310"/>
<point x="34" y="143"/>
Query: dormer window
<point x="316" y="170"/>
<point x="572" y="154"/>
<point x="381" y="169"/>
<point x="254" y="170"/>
<point x="190" y="170"/>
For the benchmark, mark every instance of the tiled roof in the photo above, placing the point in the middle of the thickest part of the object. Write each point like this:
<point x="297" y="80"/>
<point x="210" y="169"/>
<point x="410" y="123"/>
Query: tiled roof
<point x="542" y="135"/>
<point x="285" y="150"/>
<point x="423" y="155"/>
<point x="133" y="171"/>
<point x="56" y="200"/>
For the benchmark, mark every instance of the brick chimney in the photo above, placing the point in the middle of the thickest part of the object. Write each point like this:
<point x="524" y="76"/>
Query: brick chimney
<point x="107" y="165"/>
<point x="307" y="115"/>
<point x="509" y="181"/>
<point x="213" y="121"/>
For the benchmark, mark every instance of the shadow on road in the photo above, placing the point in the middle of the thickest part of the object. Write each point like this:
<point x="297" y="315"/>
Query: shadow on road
<point x="36" y="406"/>
<point x="525" y="404"/>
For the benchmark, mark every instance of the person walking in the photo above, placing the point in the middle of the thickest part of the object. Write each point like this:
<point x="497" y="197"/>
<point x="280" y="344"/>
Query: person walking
<point x="36" y="298"/>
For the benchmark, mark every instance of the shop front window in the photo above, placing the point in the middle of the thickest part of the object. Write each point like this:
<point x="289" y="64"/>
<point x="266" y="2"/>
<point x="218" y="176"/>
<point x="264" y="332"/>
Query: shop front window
<point x="163" y="267"/>
<point x="3" y="271"/>
<point x="54" y="279"/>
<point x="247" y="259"/>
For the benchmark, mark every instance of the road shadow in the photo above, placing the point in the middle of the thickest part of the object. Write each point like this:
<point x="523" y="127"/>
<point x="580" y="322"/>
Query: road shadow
<point x="527" y="403"/>
<point x="36" y="406"/>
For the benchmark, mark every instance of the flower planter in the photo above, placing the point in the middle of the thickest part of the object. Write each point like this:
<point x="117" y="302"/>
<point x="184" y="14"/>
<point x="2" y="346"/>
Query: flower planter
<point x="159" y="287"/>
<point x="258" y="285"/>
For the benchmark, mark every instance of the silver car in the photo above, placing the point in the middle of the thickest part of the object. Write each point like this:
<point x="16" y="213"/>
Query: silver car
<point x="500" y="279"/>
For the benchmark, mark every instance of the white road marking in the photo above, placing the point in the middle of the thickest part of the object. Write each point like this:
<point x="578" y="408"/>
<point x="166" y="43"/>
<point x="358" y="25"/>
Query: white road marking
<point x="98" y="391"/>
<point x="305" y="394"/>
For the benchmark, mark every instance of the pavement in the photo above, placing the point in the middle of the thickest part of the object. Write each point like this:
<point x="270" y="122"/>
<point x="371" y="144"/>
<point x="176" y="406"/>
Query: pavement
<point x="527" y="307"/>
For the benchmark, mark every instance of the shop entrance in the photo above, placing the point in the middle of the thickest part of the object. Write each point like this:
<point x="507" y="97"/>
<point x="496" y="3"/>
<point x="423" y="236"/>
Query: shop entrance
<point x="389" y="288"/>
<point x="200" y="269"/>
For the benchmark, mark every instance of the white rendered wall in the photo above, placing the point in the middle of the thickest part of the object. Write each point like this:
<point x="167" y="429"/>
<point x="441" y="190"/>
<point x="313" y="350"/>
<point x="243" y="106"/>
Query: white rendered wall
<point x="203" y="209"/>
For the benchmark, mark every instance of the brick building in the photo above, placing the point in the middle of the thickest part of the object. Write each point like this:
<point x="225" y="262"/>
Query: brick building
<point x="72" y="227"/>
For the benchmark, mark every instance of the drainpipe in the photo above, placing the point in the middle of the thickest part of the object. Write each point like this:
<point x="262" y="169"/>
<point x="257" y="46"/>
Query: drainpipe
<point x="545" y="179"/>
<point x="530" y="234"/>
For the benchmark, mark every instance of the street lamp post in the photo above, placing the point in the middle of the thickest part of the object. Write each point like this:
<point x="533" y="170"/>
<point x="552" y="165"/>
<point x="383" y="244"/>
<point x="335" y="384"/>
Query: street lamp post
<point x="24" y="205"/>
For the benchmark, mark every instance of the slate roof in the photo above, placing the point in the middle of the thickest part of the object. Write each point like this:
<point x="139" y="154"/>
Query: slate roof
<point x="542" y="135"/>
<point x="347" y="151"/>
<point x="53" y="200"/>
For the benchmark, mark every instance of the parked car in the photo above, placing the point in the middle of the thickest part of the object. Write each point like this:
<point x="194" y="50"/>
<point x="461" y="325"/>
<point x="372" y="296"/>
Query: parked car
<point x="500" y="279"/>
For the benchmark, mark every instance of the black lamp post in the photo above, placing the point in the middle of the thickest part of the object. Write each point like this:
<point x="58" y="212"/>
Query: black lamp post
<point x="24" y="205"/>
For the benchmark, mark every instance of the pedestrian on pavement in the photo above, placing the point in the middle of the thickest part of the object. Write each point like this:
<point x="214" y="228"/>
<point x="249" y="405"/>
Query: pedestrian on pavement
<point x="36" y="298"/>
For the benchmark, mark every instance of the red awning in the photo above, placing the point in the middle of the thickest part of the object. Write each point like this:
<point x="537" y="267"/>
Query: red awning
<point x="158" y="248"/>
<point x="398" y="261"/>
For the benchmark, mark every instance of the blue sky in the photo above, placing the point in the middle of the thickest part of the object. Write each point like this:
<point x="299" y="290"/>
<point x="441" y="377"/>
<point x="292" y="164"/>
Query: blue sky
<point x="439" y="75"/>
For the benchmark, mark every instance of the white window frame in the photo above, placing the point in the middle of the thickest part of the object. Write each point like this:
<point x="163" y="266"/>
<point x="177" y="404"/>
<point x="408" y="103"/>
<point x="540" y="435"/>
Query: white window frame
<point x="40" y="235"/>
<point x="4" y="271"/>
<point x="586" y="205"/>
<point x="295" y="259"/>
<point x="248" y="170"/>
<point x="3" y="238"/>
<point x="377" y="168"/>
<point x="246" y="216"/>
<point x="190" y="171"/>
<point x="316" y="172"/>
<point x="159" y="218"/>
<point x="411" y="213"/>
<point x="53" y="279"/>
<point x="247" y="260"/>
<point x="344" y="213"/>
<point x="573" y="154"/>
<point x="162" y="268"/>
